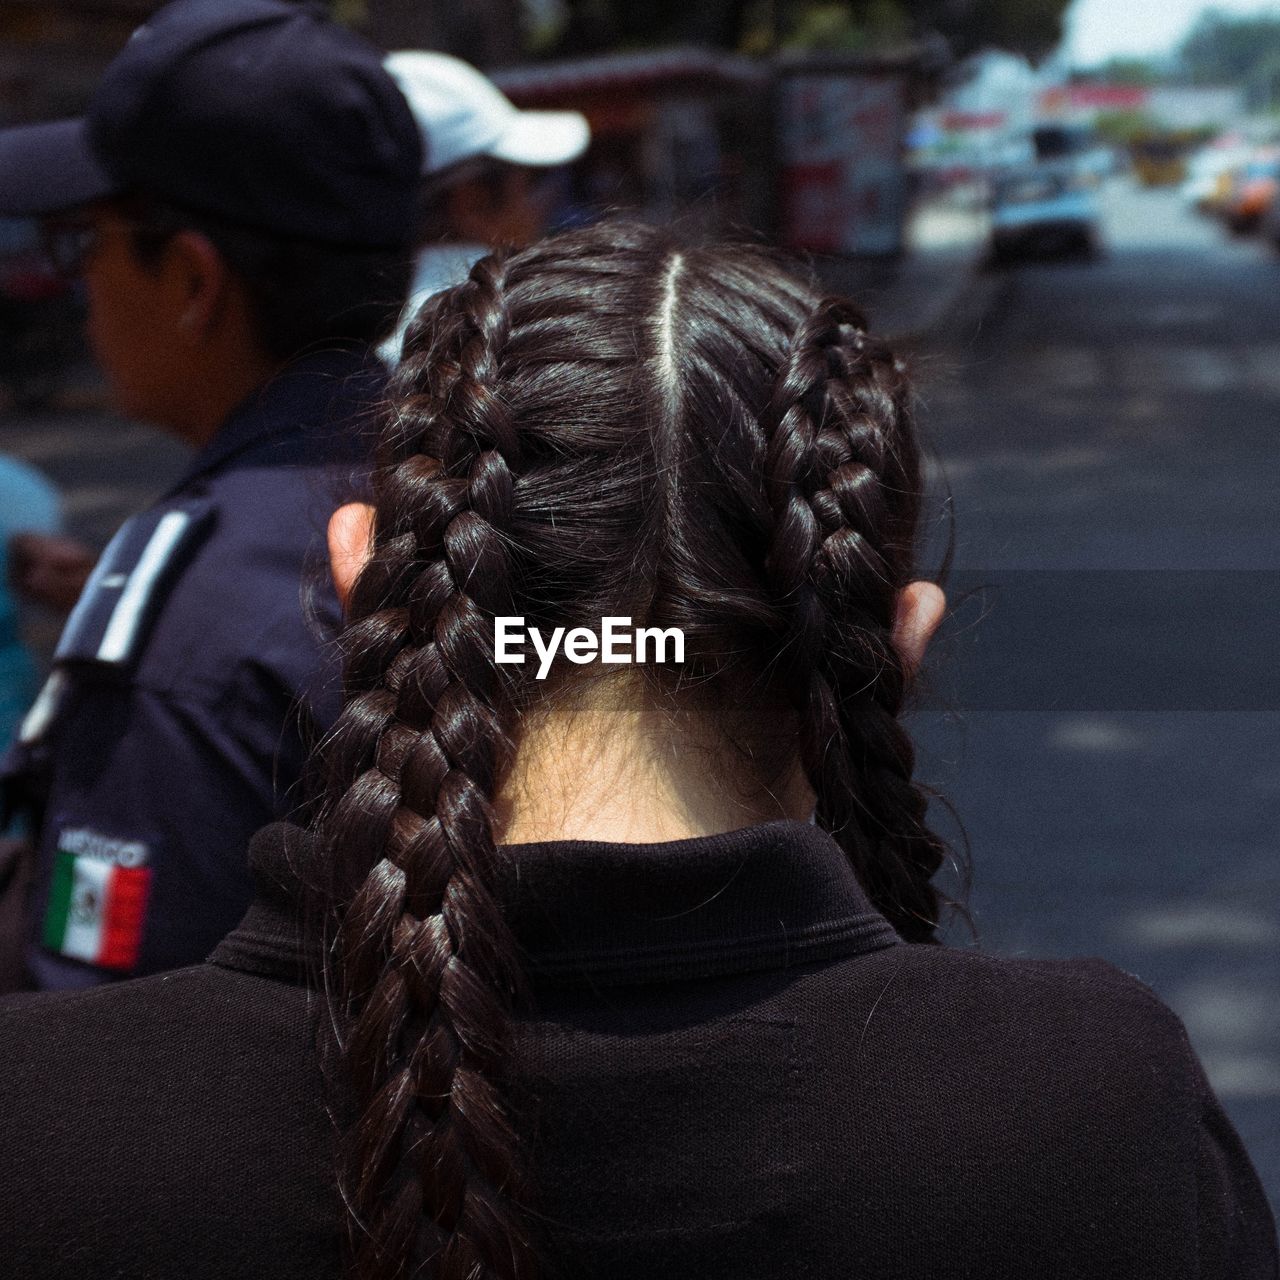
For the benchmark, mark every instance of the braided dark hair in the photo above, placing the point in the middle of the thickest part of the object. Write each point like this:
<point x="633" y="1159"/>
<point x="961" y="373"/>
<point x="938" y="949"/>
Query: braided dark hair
<point x="605" y="424"/>
<point x="845" y="493"/>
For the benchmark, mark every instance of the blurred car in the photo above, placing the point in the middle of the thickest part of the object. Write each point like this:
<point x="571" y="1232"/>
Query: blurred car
<point x="1211" y="174"/>
<point x="1252" y="193"/>
<point x="40" y="316"/>
<point x="1269" y="224"/>
<point x="1049" y="208"/>
<point x="1099" y="162"/>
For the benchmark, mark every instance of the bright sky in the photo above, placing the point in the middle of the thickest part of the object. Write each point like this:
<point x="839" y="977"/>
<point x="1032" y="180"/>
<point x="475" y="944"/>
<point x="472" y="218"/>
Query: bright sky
<point x="1101" y="29"/>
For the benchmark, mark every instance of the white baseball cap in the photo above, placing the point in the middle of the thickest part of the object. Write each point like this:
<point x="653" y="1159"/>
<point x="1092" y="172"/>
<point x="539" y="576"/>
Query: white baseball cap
<point x="462" y="114"/>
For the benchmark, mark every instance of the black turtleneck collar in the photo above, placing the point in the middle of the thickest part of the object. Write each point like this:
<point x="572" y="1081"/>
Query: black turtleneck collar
<point x="591" y="913"/>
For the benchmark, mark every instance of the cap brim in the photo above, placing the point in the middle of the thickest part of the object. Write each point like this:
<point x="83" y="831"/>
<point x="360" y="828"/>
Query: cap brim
<point x="542" y="138"/>
<point x="47" y="167"/>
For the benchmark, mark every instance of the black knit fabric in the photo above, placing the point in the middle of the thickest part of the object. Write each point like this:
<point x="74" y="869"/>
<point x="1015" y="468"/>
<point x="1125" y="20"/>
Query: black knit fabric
<point x="733" y="1069"/>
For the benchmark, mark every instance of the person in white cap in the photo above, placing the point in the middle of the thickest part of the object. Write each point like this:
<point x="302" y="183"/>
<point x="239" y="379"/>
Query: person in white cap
<point x="482" y="157"/>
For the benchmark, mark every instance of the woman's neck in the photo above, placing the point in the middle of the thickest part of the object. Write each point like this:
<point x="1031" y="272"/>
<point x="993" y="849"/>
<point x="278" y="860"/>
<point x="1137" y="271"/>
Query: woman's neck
<point x="636" y="776"/>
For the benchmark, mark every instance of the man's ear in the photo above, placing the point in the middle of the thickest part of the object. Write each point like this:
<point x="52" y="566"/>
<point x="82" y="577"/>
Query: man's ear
<point x="201" y="282"/>
<point x="921" y="607"/>
<point x="469" y="207"/>
<point x="350" y="544"/>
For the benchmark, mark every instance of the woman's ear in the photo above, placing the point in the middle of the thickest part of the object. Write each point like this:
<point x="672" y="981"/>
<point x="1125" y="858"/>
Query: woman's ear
<point x="350" y="545"/>
<point x="921" y="606"/>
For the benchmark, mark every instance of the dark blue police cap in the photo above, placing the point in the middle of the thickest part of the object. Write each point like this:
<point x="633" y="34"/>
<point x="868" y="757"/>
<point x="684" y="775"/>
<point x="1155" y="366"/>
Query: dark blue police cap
<point x="262" y="112"/>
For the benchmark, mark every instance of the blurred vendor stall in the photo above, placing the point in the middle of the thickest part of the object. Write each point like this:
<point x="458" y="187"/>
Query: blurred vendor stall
<point x="842" y="123"/>
<point x="678" y="131"/>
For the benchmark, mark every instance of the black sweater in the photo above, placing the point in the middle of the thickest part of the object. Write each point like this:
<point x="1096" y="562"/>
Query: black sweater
<point x="740" y="1072"/>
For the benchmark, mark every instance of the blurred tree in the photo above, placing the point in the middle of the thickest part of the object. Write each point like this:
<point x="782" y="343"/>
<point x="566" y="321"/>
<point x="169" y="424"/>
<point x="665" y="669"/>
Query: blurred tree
<point x="1122" y="127"/>
<point x="882" y="24"/>
<point x="488" y="33"/>
<point x="1138" y="72"/>
<point x="1227" y="49"/>
<point x="595" y="25"/>
<point x="1031" y="27"/>
<point x="1262" y="91"/>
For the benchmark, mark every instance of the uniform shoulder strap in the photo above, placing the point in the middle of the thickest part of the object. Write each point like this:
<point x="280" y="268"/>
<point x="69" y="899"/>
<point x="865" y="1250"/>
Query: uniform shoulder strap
<point x="109" y="621"/>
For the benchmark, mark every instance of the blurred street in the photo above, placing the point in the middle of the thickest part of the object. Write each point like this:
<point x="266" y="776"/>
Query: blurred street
<point x="1110" y="705"/>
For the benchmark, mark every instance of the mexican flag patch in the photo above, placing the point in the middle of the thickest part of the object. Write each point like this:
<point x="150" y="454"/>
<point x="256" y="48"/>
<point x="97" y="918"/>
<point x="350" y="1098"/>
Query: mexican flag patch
<point x="98" y="899"/>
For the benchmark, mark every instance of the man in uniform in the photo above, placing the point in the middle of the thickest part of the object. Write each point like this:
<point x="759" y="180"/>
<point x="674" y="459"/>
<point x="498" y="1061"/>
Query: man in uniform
<point x="240" y="202"/>
<point x="484" y="173"/>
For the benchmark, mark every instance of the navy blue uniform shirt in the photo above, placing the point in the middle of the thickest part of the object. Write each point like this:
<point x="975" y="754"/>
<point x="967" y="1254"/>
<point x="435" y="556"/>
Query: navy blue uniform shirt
<point x="175" y="723"/>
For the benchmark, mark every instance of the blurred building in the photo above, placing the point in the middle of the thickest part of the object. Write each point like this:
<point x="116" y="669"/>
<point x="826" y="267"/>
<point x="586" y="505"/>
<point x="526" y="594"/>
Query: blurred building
<point x="1174" y="107"/>
<point x="982" y="121"/>
<point x="806" y="149"/>
<point x="53" y="51"/>
<point x="673" y="131"/>
<point x="1196" y="106"/>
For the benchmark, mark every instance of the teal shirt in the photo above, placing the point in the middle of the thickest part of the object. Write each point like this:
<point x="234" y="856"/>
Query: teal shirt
<point x="28" y="504"/>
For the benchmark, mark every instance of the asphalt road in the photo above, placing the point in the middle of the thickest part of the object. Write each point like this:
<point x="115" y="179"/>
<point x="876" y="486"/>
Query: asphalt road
<point x="1104" y="710"/>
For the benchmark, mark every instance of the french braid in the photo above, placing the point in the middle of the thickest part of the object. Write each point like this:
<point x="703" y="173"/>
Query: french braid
<point x="425" y="966"/>
<point x="845" y="502"/>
